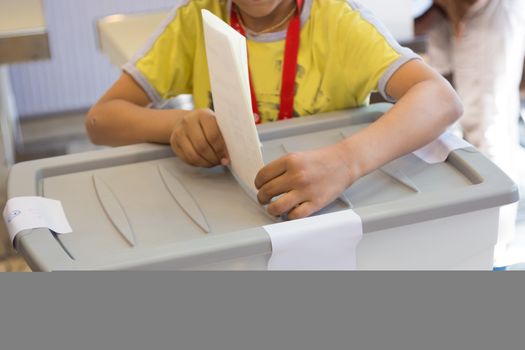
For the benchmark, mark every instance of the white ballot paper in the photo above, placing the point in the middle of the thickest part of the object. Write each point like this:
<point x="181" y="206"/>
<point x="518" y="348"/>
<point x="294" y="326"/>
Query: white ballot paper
<point x="438" y="150"/>
<point x="230" y="86"/>
<point x="25" y="213"/>
<point x="324" y="242"/>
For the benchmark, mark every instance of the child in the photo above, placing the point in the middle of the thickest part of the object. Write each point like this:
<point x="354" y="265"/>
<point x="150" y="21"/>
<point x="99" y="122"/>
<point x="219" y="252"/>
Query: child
<point x="344" y="54"/>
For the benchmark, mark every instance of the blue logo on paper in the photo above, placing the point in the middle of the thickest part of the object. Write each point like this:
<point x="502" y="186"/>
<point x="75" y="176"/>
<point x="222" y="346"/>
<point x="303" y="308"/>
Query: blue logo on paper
<point x="13" y="215"/>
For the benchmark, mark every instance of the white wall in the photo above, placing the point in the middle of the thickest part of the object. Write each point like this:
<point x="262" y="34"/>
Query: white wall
<point x="395" y="14"/>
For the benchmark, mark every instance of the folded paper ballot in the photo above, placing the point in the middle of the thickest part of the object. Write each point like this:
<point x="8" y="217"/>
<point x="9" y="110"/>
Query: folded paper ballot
<point x="230" y="86"/>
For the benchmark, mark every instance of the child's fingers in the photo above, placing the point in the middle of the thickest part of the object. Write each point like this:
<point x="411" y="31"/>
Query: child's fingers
<point x="213" y="135"/>
<point x="270" y="171"/>
<point x="273" y="188"/>
<point x="177" y="149"/>
<point x="303" y="210"/>
<point x="190" y="155"/>
<point x="200" y="144"/>
<point x="284" y="204"/>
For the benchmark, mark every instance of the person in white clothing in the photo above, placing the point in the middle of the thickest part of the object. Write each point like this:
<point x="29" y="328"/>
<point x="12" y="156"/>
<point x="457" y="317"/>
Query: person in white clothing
<point x="481" y="43"/>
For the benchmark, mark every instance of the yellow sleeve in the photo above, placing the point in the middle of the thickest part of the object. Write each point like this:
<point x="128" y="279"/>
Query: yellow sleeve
<point x="163" y="68"/>
<point x="368" y="52"/>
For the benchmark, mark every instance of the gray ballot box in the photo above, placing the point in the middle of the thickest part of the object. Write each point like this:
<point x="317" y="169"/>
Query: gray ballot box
<point x="141" y="208"/>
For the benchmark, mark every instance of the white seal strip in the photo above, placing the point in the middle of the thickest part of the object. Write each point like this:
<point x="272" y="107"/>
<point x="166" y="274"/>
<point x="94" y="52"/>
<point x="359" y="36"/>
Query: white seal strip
<point x="25" y="213"/>
<point x="438" y="150"/>
<point x="323" y="242"/>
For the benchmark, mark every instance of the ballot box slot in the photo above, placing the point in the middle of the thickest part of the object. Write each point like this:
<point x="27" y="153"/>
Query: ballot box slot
<point x="322" y="121"/>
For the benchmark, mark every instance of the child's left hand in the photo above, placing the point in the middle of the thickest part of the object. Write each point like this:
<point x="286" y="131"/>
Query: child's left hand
<point x="307" y="181"/>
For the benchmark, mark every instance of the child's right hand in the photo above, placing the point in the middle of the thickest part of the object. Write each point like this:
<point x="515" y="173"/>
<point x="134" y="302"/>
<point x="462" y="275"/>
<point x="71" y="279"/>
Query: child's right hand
<point x="197" y="140"/>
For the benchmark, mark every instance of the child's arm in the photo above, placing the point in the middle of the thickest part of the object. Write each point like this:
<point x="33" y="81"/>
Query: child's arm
<point x="426" y="106"/>
<point x="122" y="117"/>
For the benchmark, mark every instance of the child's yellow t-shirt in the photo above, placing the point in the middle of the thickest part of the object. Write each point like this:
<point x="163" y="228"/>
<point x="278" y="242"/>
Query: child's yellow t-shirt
<point x="344" y="55"/>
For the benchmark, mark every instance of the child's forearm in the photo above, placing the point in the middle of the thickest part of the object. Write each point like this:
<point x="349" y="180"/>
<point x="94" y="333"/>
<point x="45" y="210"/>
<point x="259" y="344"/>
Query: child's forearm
<point x="421" y="115"/>
<point x="119" y="122"/>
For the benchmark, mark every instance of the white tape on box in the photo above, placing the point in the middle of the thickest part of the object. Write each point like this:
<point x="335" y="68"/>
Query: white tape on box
<point x="25" y="213"/>
<point x="323" y="242"/>
<point x="438" y="150"/>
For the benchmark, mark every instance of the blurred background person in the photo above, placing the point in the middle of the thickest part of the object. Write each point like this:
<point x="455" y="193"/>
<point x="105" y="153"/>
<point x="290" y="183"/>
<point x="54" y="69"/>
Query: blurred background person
<point x="481" y="45"/>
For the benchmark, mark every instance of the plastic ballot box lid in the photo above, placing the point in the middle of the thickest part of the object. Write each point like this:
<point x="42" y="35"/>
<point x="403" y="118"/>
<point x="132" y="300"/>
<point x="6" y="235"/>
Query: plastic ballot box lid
<point x="140" y="207"/>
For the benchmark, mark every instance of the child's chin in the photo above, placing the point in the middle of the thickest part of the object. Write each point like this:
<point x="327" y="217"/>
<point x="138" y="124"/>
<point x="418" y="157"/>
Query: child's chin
<point x="257" y="8"/>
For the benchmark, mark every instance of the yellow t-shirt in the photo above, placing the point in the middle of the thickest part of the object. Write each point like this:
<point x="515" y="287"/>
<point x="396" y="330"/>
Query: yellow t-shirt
<point x="344" y="55"/>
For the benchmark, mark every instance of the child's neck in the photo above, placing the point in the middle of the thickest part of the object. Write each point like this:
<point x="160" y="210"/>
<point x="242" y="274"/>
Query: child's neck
<point x="262" y="24"/>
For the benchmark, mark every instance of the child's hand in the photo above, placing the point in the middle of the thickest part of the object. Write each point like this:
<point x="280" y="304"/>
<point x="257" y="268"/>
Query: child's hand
<point x="197" y="140"/>
<point x="308" y="181"/>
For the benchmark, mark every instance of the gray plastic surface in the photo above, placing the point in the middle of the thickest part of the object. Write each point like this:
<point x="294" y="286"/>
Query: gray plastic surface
<point x="141" y="207"/>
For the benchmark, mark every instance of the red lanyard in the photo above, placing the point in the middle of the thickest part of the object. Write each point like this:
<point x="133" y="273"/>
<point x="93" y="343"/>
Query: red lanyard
<point x="289" y="66"/>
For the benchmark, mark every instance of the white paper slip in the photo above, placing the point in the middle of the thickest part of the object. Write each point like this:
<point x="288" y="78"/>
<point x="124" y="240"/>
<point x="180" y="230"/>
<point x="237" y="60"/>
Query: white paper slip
<point x="324" y="242"/>
<point x="25" y="213"/>
<point x="230" y="85"/>
<point x="438" y="150"/>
